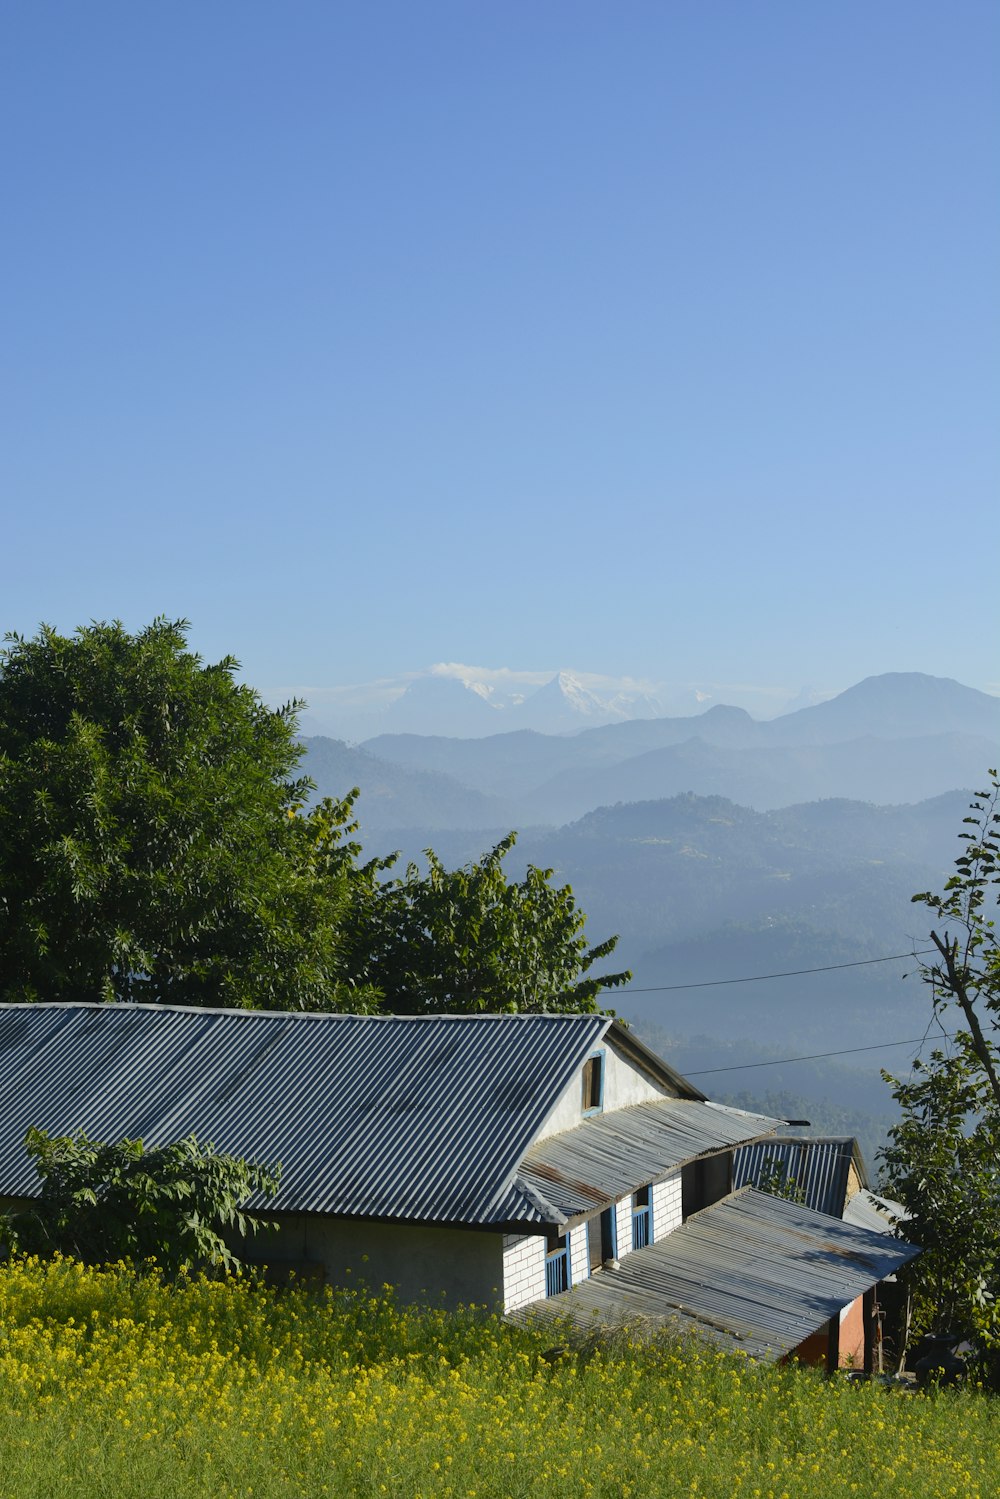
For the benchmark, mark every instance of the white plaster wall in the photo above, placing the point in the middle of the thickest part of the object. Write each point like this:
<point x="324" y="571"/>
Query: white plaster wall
<point x="625" y="1084"/>
<point x="523" y="1269"/>
<point x="579" y="1257"/>
<point x="429" y="1265"/>
<point x="667" y="1210"/>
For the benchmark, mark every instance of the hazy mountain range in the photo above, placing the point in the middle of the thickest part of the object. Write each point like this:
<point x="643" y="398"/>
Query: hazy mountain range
<point x="747" y="846"/>
<point x="473" y="701"/>
<point x="891" y="739"/>
<point x="722" y="847"/>
<point x="699" y="888"/>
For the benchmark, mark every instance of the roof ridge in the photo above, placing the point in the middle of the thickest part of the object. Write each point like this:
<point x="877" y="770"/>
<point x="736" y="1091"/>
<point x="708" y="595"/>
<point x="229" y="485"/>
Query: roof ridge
<point x="130" y="1007"/>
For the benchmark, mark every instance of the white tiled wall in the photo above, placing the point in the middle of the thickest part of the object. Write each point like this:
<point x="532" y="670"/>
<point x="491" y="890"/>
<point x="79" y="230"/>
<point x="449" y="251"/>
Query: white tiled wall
<point x="524" y="1254"/>
<point x="667" y="1212"/>
<point x="523" y="1269"/>
<point x="623" y="1224"/>
<point x="579" y="1258"/>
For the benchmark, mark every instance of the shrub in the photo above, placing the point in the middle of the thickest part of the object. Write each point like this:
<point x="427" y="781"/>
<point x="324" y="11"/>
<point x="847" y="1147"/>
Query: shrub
<point x="105" y="1202"/>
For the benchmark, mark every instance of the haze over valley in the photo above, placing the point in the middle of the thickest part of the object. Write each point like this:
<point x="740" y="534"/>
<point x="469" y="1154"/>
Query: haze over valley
<point x="721" y="846"/>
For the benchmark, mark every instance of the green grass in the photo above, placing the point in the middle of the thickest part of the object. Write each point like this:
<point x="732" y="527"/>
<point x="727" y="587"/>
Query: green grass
<point x="112" y="1385"/>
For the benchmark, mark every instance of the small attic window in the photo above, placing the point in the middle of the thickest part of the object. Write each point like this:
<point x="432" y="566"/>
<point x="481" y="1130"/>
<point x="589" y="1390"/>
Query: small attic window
<point x="593" y="1083"/>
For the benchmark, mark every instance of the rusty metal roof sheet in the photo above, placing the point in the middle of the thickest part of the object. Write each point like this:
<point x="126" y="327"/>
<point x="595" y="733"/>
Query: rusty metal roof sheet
<point x="818" y="1167"/>
<point x="418" y="1119"/>
<point x="751" y="1273"/>
<point x="612" y="1154"/>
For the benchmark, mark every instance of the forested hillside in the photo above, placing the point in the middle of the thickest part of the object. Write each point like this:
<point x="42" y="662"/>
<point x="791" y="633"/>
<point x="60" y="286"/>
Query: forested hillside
<point x="702" y="889"/>
<point x="705" y="893"/>
<point x="900" y="737"/>
<point x="724" y="849"/>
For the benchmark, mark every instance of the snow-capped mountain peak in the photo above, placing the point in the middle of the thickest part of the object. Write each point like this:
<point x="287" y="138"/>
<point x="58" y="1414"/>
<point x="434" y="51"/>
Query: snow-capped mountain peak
<point x="564" y="704"/>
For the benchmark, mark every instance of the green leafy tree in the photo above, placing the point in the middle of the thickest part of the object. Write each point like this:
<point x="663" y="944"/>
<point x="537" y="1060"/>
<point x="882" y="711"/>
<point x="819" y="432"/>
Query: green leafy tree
<point x="469" y="940"/>
<point x="155" y="845"/>
<point x="102" y="1203"/>
<point x="775" y="1178"/>
<point x="149" y="847"/>
<point x="943" y="1164"/>
<point x="966" y="972"/>
<point x="943" y="1157"/>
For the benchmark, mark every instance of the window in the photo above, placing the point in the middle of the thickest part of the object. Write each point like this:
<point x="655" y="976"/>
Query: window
<point x="556" y="1263"/>
<point x="601" y="1243"/>
<point x="593" y="1083"/>
<point x="642" y="1218"/>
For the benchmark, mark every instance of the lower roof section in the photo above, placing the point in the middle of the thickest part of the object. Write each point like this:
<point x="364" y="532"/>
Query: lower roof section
<point x="752" y="1273"/>
<point x="610" y="1155"/>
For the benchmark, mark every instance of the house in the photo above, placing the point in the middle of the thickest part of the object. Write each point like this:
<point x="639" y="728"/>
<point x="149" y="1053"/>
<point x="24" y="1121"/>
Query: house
<point x="512" y="1160"/>
<point x="829" y="1175"/>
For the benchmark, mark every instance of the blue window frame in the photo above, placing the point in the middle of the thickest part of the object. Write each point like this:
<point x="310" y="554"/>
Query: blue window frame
<point x="557" y="1265"/>
<point x="642" y="1218"/>
<point x="593" y="1082"/>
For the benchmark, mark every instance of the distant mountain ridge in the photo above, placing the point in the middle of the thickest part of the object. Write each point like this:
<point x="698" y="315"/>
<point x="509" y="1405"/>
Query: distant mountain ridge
<point x="702" y="889"/>
<point x="565" y="705"/>
<point x="722" y="848"/>
<point x="900" y="737"/>
<point x="473" y="702"/>
<point x="395" y="797"/>
<point x="897" y="705"/>
<point x="765" y="776"/>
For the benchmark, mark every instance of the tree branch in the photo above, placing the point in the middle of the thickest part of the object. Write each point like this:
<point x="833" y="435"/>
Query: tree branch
<point x="956" y="983"/>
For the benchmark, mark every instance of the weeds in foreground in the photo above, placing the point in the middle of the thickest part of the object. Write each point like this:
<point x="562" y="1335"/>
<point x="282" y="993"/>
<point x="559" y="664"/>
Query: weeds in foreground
<point x="113" y="1384"/>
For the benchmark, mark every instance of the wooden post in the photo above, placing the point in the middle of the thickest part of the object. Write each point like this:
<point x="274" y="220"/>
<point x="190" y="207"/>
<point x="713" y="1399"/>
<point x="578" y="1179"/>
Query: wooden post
<point x="873" y="1332"/>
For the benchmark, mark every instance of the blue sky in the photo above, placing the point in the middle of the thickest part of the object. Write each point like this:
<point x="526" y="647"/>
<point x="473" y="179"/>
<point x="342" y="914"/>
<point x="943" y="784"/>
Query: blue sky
<point x="657" y="339"/>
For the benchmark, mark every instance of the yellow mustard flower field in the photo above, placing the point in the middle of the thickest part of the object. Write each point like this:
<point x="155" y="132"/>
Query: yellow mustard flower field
<point x="113" y="1384"/>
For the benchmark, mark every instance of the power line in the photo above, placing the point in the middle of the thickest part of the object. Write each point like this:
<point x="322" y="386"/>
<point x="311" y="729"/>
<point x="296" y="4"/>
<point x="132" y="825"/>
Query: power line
<point x="817" y="1055"/>
<point x="789" y="973"/>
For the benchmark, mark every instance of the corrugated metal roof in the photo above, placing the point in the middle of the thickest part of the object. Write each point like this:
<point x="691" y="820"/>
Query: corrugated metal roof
<point x="420" y="1119"/>
<point x="612" y="1154"/>
<point x="752" y="1272"/>
<point x="878" y="1214"/>
<point x="818" y="1167"/>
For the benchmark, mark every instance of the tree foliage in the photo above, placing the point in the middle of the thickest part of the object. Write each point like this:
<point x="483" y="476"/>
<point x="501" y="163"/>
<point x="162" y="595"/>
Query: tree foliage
<point x="943" y="1164"/>
<point x="774" y="1177"/>
<point x="102" y="1203"/>
<point x="966" y="971"/>
<point x="147" y="849"/>
<point x="156" y="845"/>
<point x="943" y="1157"/>
<point x="469" y="940"/>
